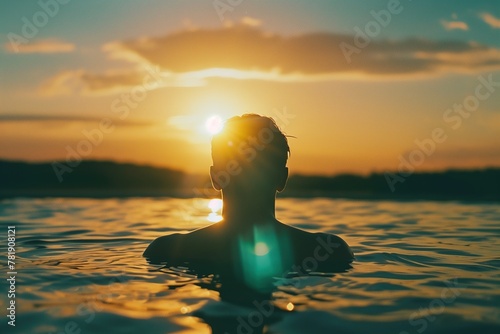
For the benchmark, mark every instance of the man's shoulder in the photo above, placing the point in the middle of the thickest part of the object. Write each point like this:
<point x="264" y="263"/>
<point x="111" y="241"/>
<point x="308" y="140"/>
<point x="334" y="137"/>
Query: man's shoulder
<point x="315" y="243"/>
<point x="328" y="248"/>
<point x="161" y="245"/>
<point x="315" y="237"/>
<point x="166" y="238"/>
<point x="333" y="243"/>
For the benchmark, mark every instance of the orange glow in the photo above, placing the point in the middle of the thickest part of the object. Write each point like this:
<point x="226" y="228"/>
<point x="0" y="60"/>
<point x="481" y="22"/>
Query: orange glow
<point x="172" y="89"/>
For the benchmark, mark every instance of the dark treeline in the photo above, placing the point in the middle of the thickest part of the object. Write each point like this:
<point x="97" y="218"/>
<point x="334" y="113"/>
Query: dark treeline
<point x="451" y="184"/>
<point x="105" y="178"/>
<point x="87" y="175"/>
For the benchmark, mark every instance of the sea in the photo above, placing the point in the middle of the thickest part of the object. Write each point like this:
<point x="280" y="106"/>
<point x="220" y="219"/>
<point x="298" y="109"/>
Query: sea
<point x="76" y="267"/>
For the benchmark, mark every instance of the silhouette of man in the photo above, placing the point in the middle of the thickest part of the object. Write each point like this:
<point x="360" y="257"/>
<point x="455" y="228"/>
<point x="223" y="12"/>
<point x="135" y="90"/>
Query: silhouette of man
<point x="249" y="167"/>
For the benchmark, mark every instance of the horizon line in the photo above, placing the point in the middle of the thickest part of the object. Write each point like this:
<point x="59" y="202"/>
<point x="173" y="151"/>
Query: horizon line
<point x="343" y="173"/>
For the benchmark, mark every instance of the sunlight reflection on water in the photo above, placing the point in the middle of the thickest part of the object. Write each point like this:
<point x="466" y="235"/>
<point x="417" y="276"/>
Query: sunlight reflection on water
<point x="79" y="261"/>
<point x="215" y="205"/>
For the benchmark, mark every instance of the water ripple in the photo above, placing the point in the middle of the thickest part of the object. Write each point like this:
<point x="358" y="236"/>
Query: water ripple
<point x="80" y="260"/>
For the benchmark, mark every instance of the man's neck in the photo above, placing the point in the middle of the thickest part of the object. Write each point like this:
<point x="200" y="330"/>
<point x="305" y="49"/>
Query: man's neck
<point x="241" y="211"/>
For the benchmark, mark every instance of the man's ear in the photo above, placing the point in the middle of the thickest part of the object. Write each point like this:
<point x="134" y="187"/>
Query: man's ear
<point x="282" y="178"/>
<point x="215" y="184"/>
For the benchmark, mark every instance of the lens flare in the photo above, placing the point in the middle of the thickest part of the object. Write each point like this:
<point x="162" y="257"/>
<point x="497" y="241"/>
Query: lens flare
<point x="261" y="249"/>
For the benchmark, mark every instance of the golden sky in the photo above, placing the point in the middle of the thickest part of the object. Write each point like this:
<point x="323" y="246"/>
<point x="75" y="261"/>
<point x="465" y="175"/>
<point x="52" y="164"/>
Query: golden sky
<point x="359" y="86"/>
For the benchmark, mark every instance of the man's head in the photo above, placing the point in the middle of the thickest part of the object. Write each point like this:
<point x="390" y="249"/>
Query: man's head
<point x="250" y="153"/>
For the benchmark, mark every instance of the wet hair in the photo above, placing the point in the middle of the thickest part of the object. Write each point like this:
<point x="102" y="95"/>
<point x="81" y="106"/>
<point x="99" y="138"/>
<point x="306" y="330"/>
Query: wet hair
<point x="251" y="142"/>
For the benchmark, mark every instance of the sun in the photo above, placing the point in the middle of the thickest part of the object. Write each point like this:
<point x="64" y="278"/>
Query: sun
<point x="214" y="124"/>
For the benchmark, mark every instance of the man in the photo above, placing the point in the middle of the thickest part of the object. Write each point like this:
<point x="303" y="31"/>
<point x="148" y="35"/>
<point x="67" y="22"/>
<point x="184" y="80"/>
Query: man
<point x="249" y="167"/>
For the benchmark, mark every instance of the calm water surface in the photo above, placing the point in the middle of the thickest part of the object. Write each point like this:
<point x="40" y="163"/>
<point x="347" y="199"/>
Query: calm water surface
<point x="420" y="267"/>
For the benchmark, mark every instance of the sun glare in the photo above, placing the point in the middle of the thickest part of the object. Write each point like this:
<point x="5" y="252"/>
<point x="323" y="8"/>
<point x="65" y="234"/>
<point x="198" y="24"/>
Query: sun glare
<point x="214" y="205"/>
<point x="214" y="124"/>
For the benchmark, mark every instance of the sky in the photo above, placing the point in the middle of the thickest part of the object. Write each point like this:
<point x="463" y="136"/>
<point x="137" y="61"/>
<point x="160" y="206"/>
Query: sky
<point x="362" y="86"/>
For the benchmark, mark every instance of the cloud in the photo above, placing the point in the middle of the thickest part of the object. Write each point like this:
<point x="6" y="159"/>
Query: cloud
<point x="63" y="83"/>
<point x="143" y="78"/>
<point x="41" y="46"/>
<point x="191" y="56"/>
<point x="67" y="82"/>
<point x="491" y="20"/>
<point x="454" y="25"/>
<point x="28" y="118"/>
<point x="250" y="21"/>
<point x="250" y="49"/>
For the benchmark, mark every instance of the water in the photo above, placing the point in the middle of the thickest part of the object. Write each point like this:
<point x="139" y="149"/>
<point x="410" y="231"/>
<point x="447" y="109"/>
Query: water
<point x="420" y="267"/>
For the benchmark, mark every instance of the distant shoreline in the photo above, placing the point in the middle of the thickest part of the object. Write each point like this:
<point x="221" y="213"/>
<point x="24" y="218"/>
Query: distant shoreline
<point x="108" y="179"/>
<point x="187" y="194"/>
